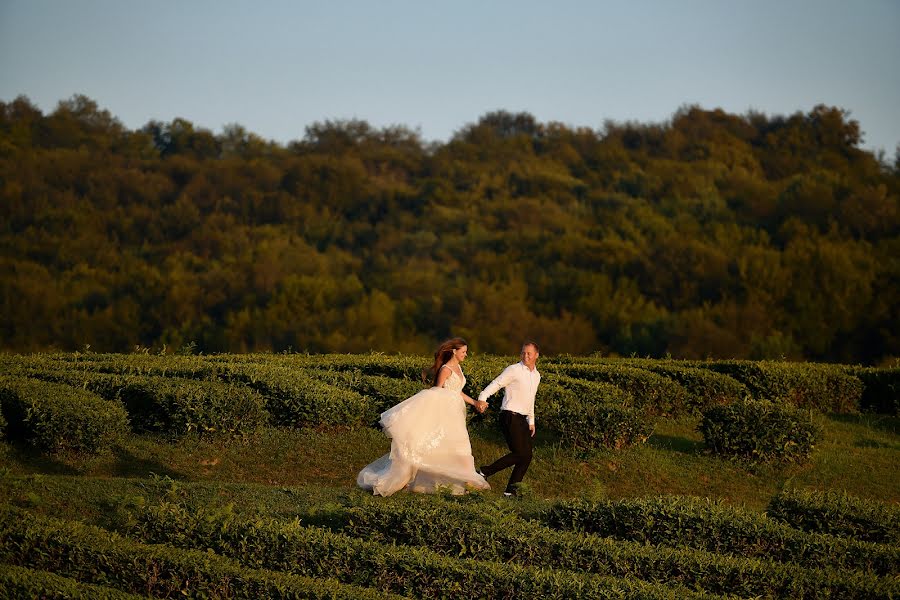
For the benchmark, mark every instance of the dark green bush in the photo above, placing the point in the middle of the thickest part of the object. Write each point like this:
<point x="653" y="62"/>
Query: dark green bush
<point x="594" y="416"/>
<point x="179" y="406"/>
<point x="760" y="431"/>
<point x="827" y="388"/>
<point x="881" y="390"/>
<point x="838" y="513"/>
<point x="21" y="582"/>
<point x="296" y="399"/>
<point x="384" y="391"/>
<point x="705" y="388"/>
<point x="650" y="392"/>
<point x="94" y="555"/>
<point x="56" y="417"/>
<point x="719" y="528"/>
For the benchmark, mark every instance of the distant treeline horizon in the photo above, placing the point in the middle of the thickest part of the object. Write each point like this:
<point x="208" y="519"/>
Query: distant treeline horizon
<point x="710" y="235"/>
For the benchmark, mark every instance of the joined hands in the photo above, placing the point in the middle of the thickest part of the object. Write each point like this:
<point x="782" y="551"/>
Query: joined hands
<point x="481" y="406"/>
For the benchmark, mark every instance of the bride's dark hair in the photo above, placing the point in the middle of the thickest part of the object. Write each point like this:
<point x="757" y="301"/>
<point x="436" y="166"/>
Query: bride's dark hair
<point x="441" y="356"/>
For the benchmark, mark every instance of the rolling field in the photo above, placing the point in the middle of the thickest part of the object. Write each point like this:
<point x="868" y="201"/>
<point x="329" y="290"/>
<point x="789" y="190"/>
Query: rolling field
<point x="233" y="476"/>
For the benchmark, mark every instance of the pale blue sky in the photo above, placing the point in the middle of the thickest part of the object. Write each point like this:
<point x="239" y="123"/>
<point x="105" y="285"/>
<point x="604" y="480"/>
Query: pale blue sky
<point x="276" y="67"/>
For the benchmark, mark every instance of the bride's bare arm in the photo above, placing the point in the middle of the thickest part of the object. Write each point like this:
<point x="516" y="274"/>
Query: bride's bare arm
<point x="443" y="374"/>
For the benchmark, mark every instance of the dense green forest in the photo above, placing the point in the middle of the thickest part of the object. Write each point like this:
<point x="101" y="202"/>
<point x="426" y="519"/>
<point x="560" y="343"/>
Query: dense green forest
<point x="710" y="235"/>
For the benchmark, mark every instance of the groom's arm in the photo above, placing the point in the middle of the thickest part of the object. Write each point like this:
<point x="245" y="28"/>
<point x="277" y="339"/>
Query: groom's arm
<point x="501" y="381"/>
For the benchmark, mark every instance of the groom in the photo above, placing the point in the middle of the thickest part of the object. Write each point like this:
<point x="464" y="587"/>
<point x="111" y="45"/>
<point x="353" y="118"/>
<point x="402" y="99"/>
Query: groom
<point x="520" y="382"/>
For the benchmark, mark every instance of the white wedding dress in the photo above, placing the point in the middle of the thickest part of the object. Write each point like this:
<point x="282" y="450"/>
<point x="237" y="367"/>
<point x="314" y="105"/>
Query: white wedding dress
<point x="430" y="445"/>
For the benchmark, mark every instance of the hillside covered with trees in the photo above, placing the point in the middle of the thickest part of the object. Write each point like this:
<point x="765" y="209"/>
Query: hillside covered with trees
<point x="710" y="235"/>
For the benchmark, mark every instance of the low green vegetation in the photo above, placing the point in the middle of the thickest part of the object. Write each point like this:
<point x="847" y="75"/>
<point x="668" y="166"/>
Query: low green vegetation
<point x="234" y="476"/>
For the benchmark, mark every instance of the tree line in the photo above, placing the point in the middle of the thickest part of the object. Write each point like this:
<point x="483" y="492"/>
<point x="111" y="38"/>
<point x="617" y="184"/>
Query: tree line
<point x="709" y="235"/>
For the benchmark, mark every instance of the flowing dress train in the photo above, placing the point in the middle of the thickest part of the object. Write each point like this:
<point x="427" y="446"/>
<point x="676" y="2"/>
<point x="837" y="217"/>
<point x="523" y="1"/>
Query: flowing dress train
<point x="430" y="445"/>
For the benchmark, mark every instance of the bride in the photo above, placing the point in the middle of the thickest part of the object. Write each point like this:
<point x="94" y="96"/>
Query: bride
<point x="430" y="445"/>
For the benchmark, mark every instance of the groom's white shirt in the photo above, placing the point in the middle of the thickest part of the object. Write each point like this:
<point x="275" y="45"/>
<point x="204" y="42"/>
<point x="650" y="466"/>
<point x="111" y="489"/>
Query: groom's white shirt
<point x="519" y="385"/>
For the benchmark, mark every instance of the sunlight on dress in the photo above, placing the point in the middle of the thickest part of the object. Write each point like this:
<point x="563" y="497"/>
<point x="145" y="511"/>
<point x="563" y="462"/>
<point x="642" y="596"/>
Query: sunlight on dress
<point x="430" y="446"/>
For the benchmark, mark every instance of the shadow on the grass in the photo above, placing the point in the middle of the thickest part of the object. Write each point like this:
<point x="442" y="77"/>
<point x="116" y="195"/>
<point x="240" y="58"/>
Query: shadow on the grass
<point x="129" y="465"/>
<point x="675" y="443"/>
<point x="31" y="459"/>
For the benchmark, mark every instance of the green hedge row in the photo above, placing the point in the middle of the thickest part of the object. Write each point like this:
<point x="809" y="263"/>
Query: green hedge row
<point x="588" y="414"/>
<point x="760" y="431"/>
<point x="173" y="405"/>
<point x="416" y="572"/>
<point x="55" y="417"/>
<point x="179" y="406"/>
<point x="828" y="388"/>
<point x="837" y="513"/>
<point x="476" y="532"/>
<point x="384" y="391"/>
<point x="881" y="393"/>
<point x="705" y="388"/>
<point x="20" y="582"/>
<point x="296" y="399"/>
<point x="90" y="554"/>
<point x="650" y="392"/>
<point x="715" y="527"/>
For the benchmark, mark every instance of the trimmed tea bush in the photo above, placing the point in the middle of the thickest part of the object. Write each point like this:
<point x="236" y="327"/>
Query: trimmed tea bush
<point x="881" y="390"/>
<point x="719" y="528"/>
<point x="296" y="399"/>
<point x="180" y="406"/>
<point x="385" y="392"/>
<point x="650" y="392"/>
<point x="591" y="419"/>
<point x="484" y="533"/>
<point x="760" y="431"/>
<point x="94" y="555"/>
<point x="838" y="513"/>
<point x="705" y="388"/>
<point x="56" y="417"/>
<point x="828" y="388"/>
<point x="411" y="571"/>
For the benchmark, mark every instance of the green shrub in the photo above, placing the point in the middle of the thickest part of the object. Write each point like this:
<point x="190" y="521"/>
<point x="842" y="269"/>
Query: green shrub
<point x="650" y="392"/>
<point x="56" y="417"/>
<point x="94" y="555"/>
<point x="384" y="391"/>
<point x="414" y="572"/>
<point x="589" y="415"/>
<point x="881" y="390"/>
<point x="716" y="527"/>
<point x="705" y="388"/>
<point x="828" y="388"/>
<point x="180" y="406"/>
<point x="296" y="399"/>
<point x="760" y="431"/>
<point x="20" y="582"/>
<point x="837" y="513"/>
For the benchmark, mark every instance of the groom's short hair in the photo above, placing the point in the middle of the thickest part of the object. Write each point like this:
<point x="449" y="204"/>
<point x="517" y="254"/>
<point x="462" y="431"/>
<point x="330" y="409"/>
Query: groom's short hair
<point x="532" y="343"/>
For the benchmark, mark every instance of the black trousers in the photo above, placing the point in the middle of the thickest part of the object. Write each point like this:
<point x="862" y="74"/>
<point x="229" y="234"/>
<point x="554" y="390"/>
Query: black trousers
<point x="518" y="438"/>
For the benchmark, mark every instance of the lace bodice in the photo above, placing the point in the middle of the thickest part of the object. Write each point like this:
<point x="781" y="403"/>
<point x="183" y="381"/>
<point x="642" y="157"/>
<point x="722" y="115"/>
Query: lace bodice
<point x="454" y="382"/>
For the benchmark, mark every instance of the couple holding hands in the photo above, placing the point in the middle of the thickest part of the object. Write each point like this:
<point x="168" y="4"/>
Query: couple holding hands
<point x="430" y="445"/>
